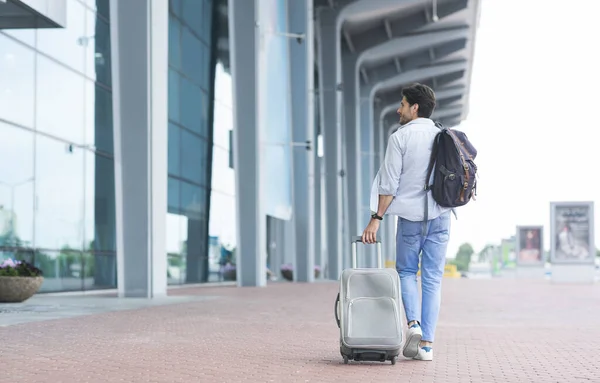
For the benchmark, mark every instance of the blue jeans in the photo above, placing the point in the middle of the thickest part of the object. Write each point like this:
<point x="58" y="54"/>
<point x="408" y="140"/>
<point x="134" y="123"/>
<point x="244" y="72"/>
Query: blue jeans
<point x="410" y="243"/>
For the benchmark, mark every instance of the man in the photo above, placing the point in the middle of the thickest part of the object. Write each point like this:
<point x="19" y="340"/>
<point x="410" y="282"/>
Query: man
<point x="400" y="189"/>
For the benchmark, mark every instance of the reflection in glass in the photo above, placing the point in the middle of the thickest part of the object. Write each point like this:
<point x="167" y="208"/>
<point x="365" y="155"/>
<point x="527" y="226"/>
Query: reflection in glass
<point x="192" y="14"/>
<point x="16" y="188"/>
<point x="191" y="107"/>
<point x="59" y="195"/>
<point x="99" y="123"/>
<point x="174" y="46"/>
<point x="63" y="270"/>
<point x="97" y="49"/>
<point x="173" y="96"/>
<point x="192" y="56"/>
<point x="60" y="101"/>
<point x="16" y="82"/>
<point x="67" y="45"/>
<point x="25" y="35"/>
<point x="174" y="192"/>
<point x="100" y="231"/>
<point x="207" y="25"/>
<point x="176" y="248"/>
<point x="193" y="151"/>
<point x="174" y="149"/>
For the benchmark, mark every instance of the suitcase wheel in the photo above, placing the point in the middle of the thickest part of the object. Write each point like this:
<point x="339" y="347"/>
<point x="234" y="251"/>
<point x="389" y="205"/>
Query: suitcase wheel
<point x="393" y="360"/>
<point x="345" y="359"/>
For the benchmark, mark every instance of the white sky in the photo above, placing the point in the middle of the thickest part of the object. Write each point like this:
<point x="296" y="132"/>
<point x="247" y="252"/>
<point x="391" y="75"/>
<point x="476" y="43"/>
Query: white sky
<point x="534" y="94"/>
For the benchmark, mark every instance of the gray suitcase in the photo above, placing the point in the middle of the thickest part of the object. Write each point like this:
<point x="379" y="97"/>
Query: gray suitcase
<point x="367" y="311"/>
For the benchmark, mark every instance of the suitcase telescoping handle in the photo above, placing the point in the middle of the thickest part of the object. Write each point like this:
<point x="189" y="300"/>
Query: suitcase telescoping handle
<point x="356" y="239"/>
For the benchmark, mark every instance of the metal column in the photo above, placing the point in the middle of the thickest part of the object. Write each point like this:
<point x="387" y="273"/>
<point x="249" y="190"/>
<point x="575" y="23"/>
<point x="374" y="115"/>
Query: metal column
<point x="300" y="16"/>
<point x="251" y="231"/>
<point x="139" y="49"/>
<point x="330" y="98"/>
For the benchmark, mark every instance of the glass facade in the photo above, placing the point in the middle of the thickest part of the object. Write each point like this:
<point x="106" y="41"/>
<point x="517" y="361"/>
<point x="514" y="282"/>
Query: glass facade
<point x="191" y="77"/>
<point x="57" y="196"/>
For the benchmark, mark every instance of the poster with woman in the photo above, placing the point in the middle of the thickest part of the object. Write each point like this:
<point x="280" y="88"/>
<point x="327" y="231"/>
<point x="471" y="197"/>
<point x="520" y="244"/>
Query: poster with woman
<point x="572" y="232"/>
<point x="530" y="246"/>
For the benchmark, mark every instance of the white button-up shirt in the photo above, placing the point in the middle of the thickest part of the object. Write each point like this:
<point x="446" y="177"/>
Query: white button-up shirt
<point x="403" y="171"/>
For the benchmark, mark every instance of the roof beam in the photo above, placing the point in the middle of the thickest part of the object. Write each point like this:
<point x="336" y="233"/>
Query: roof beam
<point x="364" y="75"/>
<point x="414" y="61"/>
<point x="401" y="26"/>
<point x="348" y="41"/>
<point x="447" y="112"/>
<point x="395" y="81"/>
<point x="388" y="28"/>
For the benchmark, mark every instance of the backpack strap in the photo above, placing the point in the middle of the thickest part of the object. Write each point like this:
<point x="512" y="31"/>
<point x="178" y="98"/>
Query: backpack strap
<point x="427" y="188"/>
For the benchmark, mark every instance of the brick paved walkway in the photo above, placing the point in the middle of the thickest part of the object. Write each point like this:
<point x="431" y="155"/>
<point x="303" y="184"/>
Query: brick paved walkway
<point x="489" y="331"/>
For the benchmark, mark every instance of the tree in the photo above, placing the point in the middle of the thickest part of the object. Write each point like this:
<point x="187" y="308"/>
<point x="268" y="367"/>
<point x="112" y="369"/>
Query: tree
<point x="463" y="257"/>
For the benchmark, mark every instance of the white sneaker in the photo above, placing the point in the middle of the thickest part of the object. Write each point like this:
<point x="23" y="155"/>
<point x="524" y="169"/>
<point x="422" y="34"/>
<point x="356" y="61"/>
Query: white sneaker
<point x="424" y="353"/>
<point x="413" y="338"/>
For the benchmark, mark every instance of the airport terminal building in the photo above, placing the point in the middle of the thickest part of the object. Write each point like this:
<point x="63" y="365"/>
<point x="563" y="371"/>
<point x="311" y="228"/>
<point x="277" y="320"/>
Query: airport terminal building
<point x="148" y="143"/>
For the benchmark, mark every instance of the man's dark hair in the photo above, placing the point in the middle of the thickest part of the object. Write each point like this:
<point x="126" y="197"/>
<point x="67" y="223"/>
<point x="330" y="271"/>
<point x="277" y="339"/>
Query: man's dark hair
<point x="423" y="96"/>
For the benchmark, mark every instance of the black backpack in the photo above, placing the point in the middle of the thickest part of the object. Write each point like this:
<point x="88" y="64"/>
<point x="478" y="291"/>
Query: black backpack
<point x="454" y="179"/>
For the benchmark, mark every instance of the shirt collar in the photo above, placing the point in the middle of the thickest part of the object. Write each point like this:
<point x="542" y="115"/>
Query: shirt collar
<point x="419" y="121"/>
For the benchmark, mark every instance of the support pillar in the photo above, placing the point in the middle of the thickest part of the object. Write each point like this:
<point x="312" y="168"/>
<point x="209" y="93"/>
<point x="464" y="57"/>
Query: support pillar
<point x="300" y="16"/>
<point x="139" y="49"/>
<point x="330" y="98"/>
<point x="251" y="231"/>
<point x="353" y="153"/>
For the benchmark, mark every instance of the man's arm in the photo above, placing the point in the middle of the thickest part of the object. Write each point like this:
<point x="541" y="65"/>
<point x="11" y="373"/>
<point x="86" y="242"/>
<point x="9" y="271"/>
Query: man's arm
<point x="389" y="181"/>
<point x="390" y="174"/>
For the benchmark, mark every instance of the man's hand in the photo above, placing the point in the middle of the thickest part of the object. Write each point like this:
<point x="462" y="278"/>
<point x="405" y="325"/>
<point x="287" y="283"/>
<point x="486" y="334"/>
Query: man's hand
<point x="370" y="233"/>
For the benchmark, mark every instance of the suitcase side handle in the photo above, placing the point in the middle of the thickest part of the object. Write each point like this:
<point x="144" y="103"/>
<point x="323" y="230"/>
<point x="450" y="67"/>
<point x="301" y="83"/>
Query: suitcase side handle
<point x="336" y="310"/>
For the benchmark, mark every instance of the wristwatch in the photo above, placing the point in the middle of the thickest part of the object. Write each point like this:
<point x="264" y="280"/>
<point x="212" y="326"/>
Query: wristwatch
<point x="374" y="215"/>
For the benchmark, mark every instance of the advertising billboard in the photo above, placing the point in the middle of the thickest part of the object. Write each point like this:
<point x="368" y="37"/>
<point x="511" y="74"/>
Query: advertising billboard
<point x="572" y="230"/>
<point x="530" y="246"/>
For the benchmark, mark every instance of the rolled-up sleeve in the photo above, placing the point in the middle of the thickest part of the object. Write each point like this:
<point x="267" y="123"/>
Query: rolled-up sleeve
<point x="391" y="168"/>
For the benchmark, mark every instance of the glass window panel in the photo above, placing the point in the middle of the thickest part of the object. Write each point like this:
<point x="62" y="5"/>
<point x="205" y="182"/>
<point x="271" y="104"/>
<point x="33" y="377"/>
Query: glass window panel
<point x="192" y="113"/>
<point x="192" y="157"/>
<point x="223" y="124"/>
<point x="174" y="96"/>
<point x="175" y="7"/>
<point x="174" y="38"/>
<point x="222" y="174"/>
<point x="192" y="51"/>
<point x="98" y="117"/>
<point x="99" y="263"/>
<point x="192" y="14"/>
<point x="59" y="195"/>
<point x="17" y="64"/>
<point x="207" y="67"/>
<point x="174" y="147"/>
<point x="223" y="218"/>
<point x="176" y="239"/>
<point x="25" y="35"/>
<point x="173" y="195"/>
<point x="60" y="101"/>
<point x="97" y="49"/>
<point x="207" y="27"/>
<point x="62" y="270"/>
<point x="204" y="111"/>
<point x="99" y="270"/>
<point x="100" y="232"/>
<point x="16" y="186"/>
<point x="193" y="200"/>
<point x="68" y="45"/>
<point x="103" y="7"/>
